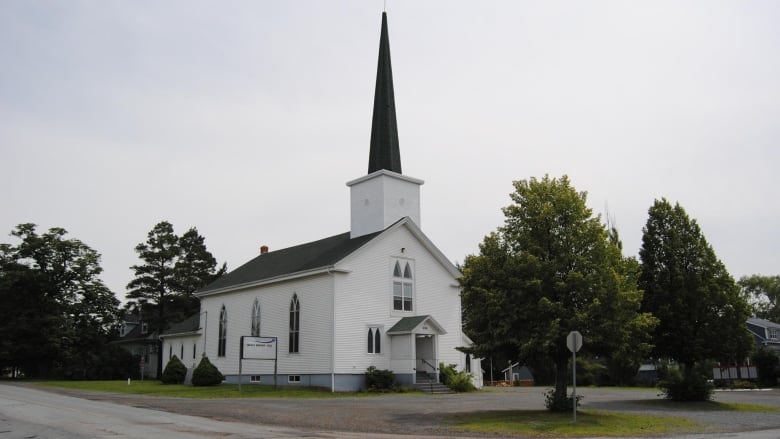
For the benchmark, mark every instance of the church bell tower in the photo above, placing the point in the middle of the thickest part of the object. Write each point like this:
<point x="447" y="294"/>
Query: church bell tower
<point x="385" y="195"/>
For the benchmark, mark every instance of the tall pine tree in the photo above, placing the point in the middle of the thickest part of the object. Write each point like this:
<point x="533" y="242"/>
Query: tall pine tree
<point x="173" y="268"/>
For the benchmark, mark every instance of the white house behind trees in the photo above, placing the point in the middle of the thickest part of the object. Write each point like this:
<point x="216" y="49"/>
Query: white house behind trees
<point x="378" y="295"/>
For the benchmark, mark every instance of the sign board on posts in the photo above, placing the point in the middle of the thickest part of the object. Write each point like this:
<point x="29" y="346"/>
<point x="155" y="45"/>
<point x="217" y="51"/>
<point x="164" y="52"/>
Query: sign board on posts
<point x="258" y="348"/>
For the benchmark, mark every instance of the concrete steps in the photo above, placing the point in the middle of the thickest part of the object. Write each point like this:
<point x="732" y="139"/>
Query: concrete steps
<point x="427" y="385"/>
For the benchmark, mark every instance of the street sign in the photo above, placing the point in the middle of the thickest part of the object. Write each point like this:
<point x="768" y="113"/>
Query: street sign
<point x="574" y="341"/>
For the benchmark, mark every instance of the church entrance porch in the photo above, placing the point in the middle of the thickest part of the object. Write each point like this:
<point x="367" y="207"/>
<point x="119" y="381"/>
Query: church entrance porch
<point x="414" y="349"/>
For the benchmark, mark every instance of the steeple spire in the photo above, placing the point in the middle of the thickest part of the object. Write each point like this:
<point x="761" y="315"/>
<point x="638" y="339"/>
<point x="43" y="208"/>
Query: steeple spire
<point x="384" y="153"/>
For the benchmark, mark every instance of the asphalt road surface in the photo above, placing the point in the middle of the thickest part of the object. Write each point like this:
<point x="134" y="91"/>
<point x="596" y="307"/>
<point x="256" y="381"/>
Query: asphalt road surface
<point x="26" y="412"/>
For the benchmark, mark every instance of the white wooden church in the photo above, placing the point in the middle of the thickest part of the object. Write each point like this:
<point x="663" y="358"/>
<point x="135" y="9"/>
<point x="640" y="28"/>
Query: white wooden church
<point x="378" y="295"/>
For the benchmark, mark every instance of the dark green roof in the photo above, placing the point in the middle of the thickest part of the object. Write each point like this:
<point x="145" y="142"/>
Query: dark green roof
<point x="384" y="153"/>
<point x="305" y="257"/>
<point x="190" y="324"/>
<point x="407" y="324"/>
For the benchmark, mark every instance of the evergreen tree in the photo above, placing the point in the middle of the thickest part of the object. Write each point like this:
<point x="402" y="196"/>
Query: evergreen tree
<point x="549" y="270"/>
<point x="701" y="313"/>
<point x="173" y="268"/>
<point x="194" y="268"/>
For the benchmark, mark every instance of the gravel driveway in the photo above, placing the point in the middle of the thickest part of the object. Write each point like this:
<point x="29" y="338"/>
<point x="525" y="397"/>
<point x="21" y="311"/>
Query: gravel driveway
<point x="420" y="414"/>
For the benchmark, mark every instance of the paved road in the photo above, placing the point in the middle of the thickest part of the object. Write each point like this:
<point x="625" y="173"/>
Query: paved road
<point x="27" y="412"/>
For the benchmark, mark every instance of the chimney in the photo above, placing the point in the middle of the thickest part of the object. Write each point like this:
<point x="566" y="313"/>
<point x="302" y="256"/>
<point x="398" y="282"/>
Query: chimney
<point x="263" y="249"/>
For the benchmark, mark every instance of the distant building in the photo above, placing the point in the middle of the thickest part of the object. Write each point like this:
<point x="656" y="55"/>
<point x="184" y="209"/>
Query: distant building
<point x="135" y="337"/>
<point x="381" y="294"/>
<point x="765" y="333"/>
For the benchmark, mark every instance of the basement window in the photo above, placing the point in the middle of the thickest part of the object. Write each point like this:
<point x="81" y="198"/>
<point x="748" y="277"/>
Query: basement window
<point x="293" y="378"/>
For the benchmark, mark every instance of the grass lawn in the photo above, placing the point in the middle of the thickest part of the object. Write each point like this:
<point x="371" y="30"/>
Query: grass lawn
<point x="709" y="406"/>
<point x="155" y="388"/>
<point x="589" y="423"/>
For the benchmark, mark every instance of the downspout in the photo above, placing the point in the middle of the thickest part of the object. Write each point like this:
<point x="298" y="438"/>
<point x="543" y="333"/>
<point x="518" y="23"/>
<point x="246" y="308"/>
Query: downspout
<point x="333" y="332"/>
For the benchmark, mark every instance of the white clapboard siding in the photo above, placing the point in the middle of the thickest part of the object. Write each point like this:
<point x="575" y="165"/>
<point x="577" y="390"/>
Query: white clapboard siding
<point x="364" y="298"/>
<point x="315" y="295"/>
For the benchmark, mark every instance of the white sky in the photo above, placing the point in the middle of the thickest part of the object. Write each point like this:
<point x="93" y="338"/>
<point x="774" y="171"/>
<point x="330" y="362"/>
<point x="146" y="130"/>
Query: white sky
<point x="245" y="118"/>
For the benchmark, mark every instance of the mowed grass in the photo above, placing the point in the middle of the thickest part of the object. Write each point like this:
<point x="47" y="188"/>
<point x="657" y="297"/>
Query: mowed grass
<point x="708" y="406"/>
<point x="155" y="388"/>
<point x="589" y="423"/>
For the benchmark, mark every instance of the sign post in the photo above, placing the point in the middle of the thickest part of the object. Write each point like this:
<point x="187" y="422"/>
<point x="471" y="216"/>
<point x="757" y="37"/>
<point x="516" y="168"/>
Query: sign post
<point x="574" y="343"/>
<point x="257" y="348"/>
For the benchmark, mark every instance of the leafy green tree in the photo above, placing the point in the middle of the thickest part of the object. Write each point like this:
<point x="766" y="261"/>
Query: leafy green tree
<point x="551" y="269"/>
<point x="701" y="313"/>
<point x="57" y="310"/>
<point x="763" y="294"/>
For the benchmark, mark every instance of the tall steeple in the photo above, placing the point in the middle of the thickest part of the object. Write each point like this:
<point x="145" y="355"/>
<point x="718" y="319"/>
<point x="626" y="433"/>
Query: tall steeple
<point x="384" y="196"/>
<point x="384" y="153"/>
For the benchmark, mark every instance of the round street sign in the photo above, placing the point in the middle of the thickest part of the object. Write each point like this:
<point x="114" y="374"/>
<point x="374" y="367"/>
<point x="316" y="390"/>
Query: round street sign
<point x="574" y="341"/>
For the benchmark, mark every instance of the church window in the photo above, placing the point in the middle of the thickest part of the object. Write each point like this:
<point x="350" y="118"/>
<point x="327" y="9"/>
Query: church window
<point x="170" y="351"/>
<point x="295" y="324"/>
<point x="256" y="319"/>
<point x="374" y="340"/>
<point x="222" y="336"/>
<point x="403" y="287"/>
<point x="181" y="353"/>
<point x="194" y="349"/>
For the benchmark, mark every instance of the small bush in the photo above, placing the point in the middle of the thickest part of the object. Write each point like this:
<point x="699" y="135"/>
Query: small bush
<point x="206" y="374"/>
<point x="692" y="386"/>
<point x="175" y="372"/>
<point x="767" y="365"/>
<point x="379" y="380"/>
<point x="458" y="381"/>
<point x="560" y="404"/>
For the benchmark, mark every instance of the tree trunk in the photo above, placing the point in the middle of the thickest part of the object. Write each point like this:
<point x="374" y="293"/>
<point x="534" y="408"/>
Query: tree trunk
<point x="561" y="376"/>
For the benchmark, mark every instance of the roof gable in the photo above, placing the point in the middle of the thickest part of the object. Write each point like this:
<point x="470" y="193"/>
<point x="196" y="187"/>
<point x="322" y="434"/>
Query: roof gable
<point x="413" y="325"/>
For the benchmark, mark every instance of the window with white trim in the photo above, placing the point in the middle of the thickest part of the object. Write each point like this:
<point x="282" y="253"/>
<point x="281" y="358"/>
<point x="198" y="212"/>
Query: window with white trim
<point x="293" y="378"/>
<point x="295" y="325"/>
<point x="403" y="286"/>
<point x="222" y="336"/>
<point x="773" y="333"/>
<point x="256" y="319"/>
<point x="374" y="340"/>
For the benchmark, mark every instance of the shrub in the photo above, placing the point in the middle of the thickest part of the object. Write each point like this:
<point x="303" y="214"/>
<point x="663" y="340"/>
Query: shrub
<point x="175" y="372"/>
<point x="458" y="381"/>
<point x="767" y="364"/>
<point x="206" y="374"/>
<point x="692" y="386"/>
<point x="379" y="380"/>
<point x="560" y="404"/>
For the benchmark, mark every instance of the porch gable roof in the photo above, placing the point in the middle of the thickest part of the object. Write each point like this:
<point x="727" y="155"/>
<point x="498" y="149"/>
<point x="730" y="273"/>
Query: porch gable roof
<point x="411" y="325"/>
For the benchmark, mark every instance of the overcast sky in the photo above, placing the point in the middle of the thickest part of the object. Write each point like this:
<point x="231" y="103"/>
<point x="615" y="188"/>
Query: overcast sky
<point x="245" y="118"/>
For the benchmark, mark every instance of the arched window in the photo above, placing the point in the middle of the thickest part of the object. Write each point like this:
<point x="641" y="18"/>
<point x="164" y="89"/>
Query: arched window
<point x="222" y="332"/>
<point x="402" y="287"/>
<point x="374" y="341"/>
<point x="295" y="324"/>
<point x="256" y="319"/>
